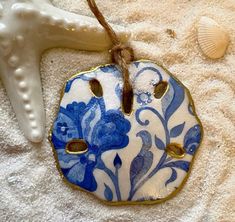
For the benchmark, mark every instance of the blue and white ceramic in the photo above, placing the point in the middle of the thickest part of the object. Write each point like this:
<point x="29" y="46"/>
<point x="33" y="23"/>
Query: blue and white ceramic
<point x="127" y="156"/>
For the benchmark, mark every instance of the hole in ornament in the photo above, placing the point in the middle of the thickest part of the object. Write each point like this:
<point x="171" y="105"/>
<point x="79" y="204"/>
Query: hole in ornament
<point x="127" y="101"/>
<point x="175" y="150"/>
<point x="96" y="88"/>
<point x="76" y="147"/>
<point x="160" y="89"/>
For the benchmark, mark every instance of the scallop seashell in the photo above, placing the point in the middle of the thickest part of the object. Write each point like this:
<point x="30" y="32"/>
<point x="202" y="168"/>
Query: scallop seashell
<point x="212" y="38"/>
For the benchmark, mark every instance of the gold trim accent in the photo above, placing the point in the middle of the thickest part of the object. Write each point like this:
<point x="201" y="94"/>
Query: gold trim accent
<point x="166" y="90"/>
<point x="171" y="153"/>
<point x="123" y="203"/>
<point x="76" y="152"/>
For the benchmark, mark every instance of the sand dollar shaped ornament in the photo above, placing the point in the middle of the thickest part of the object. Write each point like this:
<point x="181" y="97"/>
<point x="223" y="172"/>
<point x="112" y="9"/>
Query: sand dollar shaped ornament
<point x="141" y="157"/>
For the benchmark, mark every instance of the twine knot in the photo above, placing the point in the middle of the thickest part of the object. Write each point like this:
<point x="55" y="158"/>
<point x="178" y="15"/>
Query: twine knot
<point x="121" y="51"/>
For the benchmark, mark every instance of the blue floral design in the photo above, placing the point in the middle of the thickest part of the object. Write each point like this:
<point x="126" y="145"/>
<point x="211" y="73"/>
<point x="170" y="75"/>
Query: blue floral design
<point x="141" y="164"/>
<point x="105" y="130"/>
<point x="109" y="132"/>
<point x="62" y="128"/>
<point x="144" y="98"/>
<point x="78" y="169"/>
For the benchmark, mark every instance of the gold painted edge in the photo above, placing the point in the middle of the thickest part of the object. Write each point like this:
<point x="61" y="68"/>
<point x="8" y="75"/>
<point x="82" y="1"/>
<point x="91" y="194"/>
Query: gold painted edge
<point x="78" y="152"/>
<point x="172" y="154"/>
<point x="166" y="91"/>
<point x="123" y="203"/>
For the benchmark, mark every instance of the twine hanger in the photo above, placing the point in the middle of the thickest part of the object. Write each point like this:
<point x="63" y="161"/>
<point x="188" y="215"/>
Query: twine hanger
<point x="121" y="54"/>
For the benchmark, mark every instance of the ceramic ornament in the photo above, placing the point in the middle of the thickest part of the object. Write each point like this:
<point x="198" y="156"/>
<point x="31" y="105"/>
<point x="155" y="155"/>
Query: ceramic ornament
<point x="143" y="157"/>
<point x="125" y="132"/>
<point x="27" y="28"/>
<point x="212" y="38"/>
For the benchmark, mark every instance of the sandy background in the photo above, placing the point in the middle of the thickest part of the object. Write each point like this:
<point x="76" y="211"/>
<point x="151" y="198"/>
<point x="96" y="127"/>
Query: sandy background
<point x="31" y="188"/>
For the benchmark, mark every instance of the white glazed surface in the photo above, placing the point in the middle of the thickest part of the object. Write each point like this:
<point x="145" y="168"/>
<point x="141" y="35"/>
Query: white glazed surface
<point x="126" y="158"/>
<point x="31" y="187"/>
<point x="28" y="28"/>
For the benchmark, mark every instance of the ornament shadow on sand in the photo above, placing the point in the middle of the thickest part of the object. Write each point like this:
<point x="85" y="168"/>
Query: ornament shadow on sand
<point x="27" y="28"/>
<point x="144" y="157"/>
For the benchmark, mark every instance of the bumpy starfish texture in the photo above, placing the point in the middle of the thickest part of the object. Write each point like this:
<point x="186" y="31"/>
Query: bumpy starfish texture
<point x="27" y="28"/>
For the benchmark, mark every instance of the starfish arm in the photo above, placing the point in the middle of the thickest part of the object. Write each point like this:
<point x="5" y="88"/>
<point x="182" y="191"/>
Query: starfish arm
<point x="59" y="28"/>
<point x="27" y="28"/>
<point x="23" y="86"/>
<point x="80" y="32"/>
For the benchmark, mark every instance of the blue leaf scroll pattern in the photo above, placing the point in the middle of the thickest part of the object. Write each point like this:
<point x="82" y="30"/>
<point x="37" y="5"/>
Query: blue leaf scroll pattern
<point x="109" y="132"/>
<point x="170" y="103"/>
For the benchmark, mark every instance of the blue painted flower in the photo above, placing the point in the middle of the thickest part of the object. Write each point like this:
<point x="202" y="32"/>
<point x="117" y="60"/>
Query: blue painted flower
<point x="62" y="128"/>
<point x="144" y="98"/>
<point x="78" y="169"/>
<point x="110" y="131"/>
<point x="102" y="130"/>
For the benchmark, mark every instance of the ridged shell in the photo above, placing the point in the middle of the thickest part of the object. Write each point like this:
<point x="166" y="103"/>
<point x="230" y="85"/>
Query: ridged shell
<point x="212" y="38"/>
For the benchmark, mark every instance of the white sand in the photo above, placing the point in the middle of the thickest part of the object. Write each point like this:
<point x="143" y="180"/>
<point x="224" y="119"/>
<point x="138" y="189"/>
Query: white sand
<point x="31" y="188"/>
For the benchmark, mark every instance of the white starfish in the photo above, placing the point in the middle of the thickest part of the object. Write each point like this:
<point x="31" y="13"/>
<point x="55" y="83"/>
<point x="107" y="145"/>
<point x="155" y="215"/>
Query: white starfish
<point x="27" y="28"/>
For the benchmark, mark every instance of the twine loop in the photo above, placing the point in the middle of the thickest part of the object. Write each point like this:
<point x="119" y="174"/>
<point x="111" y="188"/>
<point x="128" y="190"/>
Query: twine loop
<point x="121" y="54"/>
